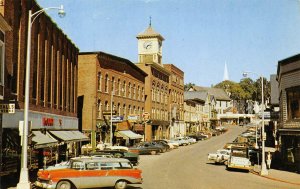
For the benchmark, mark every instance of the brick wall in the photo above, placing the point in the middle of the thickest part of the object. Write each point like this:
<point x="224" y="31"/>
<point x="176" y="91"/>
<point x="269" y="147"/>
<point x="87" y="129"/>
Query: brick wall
<point x="53" y="74"/>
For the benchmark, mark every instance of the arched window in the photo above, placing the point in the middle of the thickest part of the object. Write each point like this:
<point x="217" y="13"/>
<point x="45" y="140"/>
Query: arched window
<point x="134" y="92"/>
<point x="129" y="90"/>
<point x="99" y="81"/>
<point x="106" y="83"/>
<point x="124" y="89"/>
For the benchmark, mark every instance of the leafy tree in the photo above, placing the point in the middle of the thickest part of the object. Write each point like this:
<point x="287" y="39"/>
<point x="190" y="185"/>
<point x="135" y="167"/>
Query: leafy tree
<point x="188" y="86"/>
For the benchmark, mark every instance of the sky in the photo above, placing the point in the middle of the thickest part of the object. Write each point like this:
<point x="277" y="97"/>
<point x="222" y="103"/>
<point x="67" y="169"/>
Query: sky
<point x="200" y="35"/>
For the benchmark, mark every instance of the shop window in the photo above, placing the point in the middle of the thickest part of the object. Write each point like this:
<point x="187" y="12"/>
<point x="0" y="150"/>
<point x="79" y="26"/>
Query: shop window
<point x="293" y="103"/>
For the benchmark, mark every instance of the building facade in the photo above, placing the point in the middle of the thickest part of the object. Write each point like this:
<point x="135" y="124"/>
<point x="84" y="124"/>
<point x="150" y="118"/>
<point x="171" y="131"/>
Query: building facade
<point x="53" y="83"/>
<point x="194" y="106"/>
<point x="157" y="86"/>
<point x="288" y="74"/>
<point x="107" y="84"/>
<point x="176" y="101"/>
<point x="4" y="27"/>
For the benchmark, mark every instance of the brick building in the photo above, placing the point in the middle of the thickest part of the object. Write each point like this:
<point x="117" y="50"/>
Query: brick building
<point x="176" y="101"/>
<point x="4" y="27"/>
<point x="288" y="74"/>
<point x="157" y="86"/>
<point x="110" y="83"/>
<point x="53" y="82"/>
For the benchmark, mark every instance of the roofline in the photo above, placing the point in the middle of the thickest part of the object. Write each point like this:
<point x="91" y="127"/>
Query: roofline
<point x="117" y="58"/>
<point x="286" y="61"/>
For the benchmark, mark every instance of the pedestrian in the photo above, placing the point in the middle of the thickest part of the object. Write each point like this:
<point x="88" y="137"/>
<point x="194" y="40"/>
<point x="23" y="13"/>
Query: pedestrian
<point x="269" y="159"/>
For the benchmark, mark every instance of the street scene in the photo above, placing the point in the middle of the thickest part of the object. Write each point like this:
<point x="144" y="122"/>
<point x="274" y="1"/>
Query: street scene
<point x="147" y="94"/>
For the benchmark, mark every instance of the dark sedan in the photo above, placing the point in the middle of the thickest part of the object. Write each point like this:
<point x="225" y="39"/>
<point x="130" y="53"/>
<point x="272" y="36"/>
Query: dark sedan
<point x="145" y="148"/>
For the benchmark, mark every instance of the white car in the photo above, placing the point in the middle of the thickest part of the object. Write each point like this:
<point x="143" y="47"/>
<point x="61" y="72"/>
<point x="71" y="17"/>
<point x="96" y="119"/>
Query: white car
<point x="182" y="141"/>
<point x="172" y="144"/>
<point x="221" y="156"/>
<point x="190" y="140"/>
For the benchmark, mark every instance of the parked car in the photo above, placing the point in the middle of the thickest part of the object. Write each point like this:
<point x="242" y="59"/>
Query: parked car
<point x="181" y="141"/>
<point x="162" y="143"/>
<point x="239" y="159"/>
<point x="91" y="172"/>
<point x="190" y="140"/>
<point x="145" y="148"/>
<point x="198" y="137"/>
<point x="172" y="143"/>
<point x="221" y="156"/>
<point x="132" y="157"/>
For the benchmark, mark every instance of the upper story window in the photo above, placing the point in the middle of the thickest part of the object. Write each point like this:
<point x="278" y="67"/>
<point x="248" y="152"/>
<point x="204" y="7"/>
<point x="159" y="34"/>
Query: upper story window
<point x="113" y="84"/>
<point x="106" y="83"/>
<point x="99" y="81"/>
<point x="293" y="103"/>
<point x="124" y="89"/>
<point x="129" y="90"/>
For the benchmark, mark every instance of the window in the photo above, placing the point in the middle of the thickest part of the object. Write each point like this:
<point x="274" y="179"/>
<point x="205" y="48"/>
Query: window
<point x="129" y="90"/>
<point x="99" y="81"/>
<point x="106" y="83"/>
<point x="293" y="103"/>
<point x="77" y="165"/>
<point x="113" y="84"/>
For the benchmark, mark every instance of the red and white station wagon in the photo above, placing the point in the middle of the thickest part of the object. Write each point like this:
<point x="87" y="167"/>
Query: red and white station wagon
<point x="91" y="172"/>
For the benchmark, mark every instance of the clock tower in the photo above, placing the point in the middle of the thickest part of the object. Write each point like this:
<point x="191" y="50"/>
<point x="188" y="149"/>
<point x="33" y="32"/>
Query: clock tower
<point x="150" y="46"/>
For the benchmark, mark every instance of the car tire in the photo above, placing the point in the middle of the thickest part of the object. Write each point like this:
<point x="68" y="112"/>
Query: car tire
<point x="121" y="184"/>
<point x="153" y="152"/>
<point x="65" y="185"/>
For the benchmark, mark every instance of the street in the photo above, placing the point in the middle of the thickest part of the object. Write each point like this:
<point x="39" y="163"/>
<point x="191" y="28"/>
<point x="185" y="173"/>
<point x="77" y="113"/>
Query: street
<point x="187" y="168"/>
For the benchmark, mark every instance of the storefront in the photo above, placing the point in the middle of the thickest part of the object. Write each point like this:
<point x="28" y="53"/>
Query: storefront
<point x="52" y="138"/>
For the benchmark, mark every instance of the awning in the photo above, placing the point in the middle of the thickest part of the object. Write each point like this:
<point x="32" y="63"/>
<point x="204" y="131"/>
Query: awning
<point x="128" y="134"/>
<point x="70" y="136"/>
<point x="43" y="140"/>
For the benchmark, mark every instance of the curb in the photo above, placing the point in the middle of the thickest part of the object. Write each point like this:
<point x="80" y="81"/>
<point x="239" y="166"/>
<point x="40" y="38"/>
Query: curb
<point x="275" y="179"/>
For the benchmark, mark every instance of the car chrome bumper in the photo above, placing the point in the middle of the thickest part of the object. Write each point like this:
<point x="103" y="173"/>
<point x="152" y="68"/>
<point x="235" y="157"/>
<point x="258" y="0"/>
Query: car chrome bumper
<point x="44" y="185"/>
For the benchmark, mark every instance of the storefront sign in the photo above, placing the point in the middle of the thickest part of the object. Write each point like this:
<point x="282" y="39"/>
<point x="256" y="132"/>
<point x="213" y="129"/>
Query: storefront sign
<point x="47" y="121"/>
<point x="133" y="118"/>
<point x="117" y="118"/>
<point x="7" y="108"/>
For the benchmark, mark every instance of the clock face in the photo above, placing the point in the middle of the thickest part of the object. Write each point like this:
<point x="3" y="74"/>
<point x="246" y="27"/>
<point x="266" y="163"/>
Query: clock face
<point x="147" y="45"/>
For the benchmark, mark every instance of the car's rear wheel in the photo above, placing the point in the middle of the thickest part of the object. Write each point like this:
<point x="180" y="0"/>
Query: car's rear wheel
<point x="153" y="152"/>
<point x="65" y="185"/>
<point x="121" y="184"/>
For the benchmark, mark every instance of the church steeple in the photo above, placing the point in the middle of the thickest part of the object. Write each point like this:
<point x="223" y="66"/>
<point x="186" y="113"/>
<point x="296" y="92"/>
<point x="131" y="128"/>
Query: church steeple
<point x="225" y="77"/>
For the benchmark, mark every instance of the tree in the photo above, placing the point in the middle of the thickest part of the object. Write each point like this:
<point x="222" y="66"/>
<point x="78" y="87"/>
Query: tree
<point x="188" y="86"/>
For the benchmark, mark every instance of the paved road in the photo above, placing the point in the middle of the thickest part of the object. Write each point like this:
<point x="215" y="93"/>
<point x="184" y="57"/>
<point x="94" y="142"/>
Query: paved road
<point x="187" y="168"/>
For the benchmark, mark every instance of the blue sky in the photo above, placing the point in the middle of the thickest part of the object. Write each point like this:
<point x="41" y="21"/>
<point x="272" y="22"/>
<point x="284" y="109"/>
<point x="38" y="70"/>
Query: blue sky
<point x="200" y="35"/>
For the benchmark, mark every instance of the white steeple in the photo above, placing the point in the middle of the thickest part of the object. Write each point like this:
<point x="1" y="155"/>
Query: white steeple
<point x="225" y="77"/>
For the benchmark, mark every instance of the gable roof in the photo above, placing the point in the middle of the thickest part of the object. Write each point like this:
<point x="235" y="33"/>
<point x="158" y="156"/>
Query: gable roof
<point x="195" y="95"/>
<point x="218" y="93"/>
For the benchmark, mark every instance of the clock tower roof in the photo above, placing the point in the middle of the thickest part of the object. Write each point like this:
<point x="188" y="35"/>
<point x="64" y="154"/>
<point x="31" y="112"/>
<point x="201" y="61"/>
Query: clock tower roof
<point x="149" y="33"/>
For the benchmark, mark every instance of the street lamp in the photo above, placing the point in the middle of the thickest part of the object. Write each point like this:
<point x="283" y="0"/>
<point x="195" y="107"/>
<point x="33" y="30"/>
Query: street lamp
<point x="24" y="181"/>
<point x="111" y="117"/>
<point x="264" y="170"/>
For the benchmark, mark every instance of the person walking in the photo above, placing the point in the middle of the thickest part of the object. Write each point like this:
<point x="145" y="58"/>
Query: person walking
<point x="269" y="159"/>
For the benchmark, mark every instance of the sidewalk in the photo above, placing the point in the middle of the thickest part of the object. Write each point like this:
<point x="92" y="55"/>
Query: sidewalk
<point x="279" y="175"/>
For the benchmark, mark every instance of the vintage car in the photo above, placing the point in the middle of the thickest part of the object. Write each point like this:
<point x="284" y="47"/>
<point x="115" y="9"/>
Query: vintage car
<point x="239" y="159"/>
<point x="132" y="157"/>
<point x="182" y="141"/>
<point x="90" y="172"/>
<point x="221" y="156"/>
<point x="145" y="148"/>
